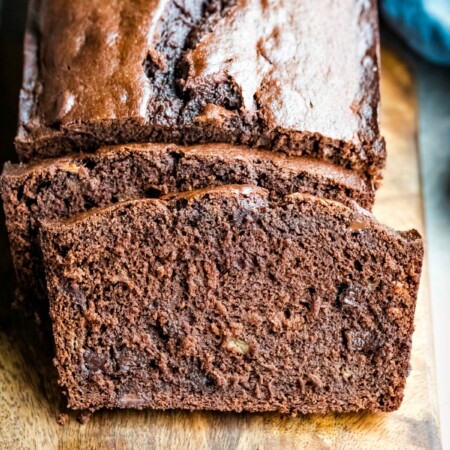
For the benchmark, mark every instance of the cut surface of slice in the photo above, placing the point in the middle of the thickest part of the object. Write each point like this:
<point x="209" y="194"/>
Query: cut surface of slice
<point x="227" y="299"/>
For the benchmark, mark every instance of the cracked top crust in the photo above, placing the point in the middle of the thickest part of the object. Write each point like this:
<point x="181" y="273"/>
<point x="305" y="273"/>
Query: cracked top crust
<point x="290" y="75"/>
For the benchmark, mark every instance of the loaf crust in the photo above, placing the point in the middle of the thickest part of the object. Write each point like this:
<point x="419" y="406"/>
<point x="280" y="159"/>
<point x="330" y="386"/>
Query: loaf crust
<point x="295" y="76"/>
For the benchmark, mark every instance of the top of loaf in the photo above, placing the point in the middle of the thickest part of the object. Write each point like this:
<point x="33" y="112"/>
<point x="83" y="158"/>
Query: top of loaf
<point x="290" y="75"/>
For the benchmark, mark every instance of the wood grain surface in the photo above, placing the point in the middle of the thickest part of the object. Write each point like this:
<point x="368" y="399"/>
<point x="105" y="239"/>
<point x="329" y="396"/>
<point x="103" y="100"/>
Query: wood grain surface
<point x="30" y="402"/>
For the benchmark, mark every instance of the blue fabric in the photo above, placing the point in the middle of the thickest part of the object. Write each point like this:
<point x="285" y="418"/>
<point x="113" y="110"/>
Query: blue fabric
<point x="423" y="24"/>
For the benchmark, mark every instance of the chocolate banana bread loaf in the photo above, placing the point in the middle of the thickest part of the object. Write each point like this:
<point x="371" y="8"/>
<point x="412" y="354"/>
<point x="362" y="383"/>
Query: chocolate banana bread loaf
<point x="296" y="76"/>
<point x="65" y="186"/>
<point x="228" y="299"/>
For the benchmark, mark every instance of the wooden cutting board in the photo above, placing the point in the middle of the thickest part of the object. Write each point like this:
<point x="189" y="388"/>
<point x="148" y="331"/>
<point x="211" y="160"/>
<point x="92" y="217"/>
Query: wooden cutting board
<point x="29" y="402"/>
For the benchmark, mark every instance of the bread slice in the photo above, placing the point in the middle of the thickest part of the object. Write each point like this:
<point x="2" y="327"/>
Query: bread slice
<point x="62" y="187"/>
<point x="228" y="299"/>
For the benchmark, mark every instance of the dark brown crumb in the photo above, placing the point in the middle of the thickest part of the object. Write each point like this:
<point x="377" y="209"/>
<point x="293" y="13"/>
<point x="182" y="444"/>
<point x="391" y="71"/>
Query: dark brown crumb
<point x="234" y="322"/>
